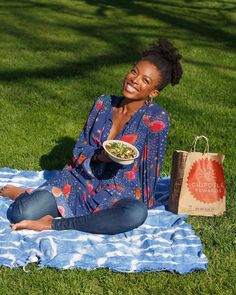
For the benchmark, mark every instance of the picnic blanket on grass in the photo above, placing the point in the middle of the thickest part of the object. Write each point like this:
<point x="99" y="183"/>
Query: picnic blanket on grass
<point x="164" y="242"/>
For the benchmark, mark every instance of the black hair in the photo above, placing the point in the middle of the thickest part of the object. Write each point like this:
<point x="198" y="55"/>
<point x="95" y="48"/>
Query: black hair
<point x="167" y="60"/>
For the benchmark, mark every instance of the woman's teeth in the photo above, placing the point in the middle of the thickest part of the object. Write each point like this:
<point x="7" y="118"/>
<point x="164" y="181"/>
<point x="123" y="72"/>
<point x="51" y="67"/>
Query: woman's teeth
<point x="130" y="88"/>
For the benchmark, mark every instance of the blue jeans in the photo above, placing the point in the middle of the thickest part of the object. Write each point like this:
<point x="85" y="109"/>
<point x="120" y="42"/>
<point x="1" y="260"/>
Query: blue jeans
<point x="125" y="215"/>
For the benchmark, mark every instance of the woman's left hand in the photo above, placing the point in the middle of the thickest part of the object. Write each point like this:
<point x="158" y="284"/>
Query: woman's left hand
<point x="44" y="223"/>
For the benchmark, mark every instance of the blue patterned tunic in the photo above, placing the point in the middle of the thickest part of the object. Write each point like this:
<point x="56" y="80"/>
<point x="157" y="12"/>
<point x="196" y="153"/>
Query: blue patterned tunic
<point x="84" y="187"/>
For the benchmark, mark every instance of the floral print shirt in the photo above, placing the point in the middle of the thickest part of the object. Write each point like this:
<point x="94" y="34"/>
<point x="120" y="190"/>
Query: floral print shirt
<point x="84" y="187"/>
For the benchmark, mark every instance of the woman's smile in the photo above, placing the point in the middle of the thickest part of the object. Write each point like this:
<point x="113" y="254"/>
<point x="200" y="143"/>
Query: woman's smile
<point x="141" y="81"/>
<point x="129" y="87"/>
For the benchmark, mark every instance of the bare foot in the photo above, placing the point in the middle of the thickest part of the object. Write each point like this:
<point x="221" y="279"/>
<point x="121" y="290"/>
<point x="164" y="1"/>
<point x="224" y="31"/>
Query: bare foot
<point x="44" y="223"/>
<point x="12" y="192"/>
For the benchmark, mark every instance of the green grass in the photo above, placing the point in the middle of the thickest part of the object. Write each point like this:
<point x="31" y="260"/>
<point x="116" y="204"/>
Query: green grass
<point x="57" y="56"/>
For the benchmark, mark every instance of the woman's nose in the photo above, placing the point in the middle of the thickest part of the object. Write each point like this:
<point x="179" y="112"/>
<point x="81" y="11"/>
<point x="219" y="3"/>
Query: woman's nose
<point x="135" y="79"/>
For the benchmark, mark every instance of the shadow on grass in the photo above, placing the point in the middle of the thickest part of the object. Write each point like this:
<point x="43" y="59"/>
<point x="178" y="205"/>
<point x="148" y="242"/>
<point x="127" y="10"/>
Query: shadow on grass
<point x="59" y="156"/>
<point x="183" y="21"/>
<point x="199" y="21"/>
<point x="171" y="13"/>
<point x="126" y="44"/>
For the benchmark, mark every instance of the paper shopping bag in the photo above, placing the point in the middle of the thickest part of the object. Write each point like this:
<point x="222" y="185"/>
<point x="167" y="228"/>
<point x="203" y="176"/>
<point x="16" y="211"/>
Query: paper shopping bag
<point x="197" y="182"/>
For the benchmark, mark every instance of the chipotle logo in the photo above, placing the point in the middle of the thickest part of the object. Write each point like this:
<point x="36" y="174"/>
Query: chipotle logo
<point x="206" y="181"/>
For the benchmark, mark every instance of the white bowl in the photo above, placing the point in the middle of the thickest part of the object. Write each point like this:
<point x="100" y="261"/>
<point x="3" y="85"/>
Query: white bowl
<point x="117" y="159"/>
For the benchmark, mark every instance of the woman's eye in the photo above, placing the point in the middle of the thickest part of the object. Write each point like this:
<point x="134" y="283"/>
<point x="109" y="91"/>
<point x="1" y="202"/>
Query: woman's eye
<point x="146" y="81"/>
<point x="133" y="71"/>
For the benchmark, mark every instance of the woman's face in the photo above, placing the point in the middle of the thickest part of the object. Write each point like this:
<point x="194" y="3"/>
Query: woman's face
<point x="140" y="83"/>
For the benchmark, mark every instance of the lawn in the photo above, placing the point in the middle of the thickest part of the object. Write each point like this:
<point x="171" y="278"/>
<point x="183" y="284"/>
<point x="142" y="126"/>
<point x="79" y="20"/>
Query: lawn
<point x="56" y="57"/>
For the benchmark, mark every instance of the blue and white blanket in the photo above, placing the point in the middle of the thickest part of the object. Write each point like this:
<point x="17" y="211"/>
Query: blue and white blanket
<point x="164" y="242"/>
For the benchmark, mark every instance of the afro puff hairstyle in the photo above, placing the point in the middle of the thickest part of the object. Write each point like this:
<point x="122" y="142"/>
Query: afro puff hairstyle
<point x="167" y="60"/>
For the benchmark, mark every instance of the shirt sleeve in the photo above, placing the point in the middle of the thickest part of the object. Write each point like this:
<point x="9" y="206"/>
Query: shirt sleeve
<point x="86" y="145"/>
<point x="153" y="154"/>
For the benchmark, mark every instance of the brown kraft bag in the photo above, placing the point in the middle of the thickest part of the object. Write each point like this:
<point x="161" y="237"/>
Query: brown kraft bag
<point x="197" y="182"/>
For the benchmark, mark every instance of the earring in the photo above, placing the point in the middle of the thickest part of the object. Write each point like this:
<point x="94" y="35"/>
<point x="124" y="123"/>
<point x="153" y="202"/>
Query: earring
<point x="148" y="101"/>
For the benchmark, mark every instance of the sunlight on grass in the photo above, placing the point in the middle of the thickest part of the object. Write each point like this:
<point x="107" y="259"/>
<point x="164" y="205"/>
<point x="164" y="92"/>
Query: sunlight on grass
<point x="56" y="57"/>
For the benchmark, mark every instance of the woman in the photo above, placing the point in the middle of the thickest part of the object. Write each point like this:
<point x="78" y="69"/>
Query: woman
<point x="93" y="193"/>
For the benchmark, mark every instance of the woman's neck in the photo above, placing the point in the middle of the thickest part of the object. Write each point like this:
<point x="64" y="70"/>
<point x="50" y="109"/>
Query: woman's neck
<point x="130" y="106"/>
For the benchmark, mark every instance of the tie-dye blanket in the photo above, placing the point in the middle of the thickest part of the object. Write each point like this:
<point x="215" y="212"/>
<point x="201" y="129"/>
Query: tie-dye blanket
<point x="164" y="242"/>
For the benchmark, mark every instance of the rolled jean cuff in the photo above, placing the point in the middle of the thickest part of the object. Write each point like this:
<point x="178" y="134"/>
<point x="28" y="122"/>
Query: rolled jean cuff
<point x="55" y="223"/>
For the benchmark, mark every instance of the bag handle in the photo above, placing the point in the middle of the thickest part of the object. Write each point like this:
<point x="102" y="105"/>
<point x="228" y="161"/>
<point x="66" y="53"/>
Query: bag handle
<point x="196" y="139"/>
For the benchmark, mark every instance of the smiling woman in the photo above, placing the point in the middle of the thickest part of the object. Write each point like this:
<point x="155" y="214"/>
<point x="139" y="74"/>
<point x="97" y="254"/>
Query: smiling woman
<point x="93" y="193"/>
<point x="141" y="81"/>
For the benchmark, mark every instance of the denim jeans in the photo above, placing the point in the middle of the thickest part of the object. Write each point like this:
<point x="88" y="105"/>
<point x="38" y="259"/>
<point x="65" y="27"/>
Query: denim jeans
<point x="125" y="215"/>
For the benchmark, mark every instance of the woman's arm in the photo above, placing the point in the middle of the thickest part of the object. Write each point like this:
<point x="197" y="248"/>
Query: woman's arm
<point x="153" y="154"/>
<point x="87" y="147"/>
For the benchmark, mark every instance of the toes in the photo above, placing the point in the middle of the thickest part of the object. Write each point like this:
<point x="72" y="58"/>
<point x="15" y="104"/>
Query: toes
<point x="5" y="187"/>
<point x="8" y="186"/>
<point x="14" y="226"/>
<point x="20" y="225"/>
<point x="2" y="190"/>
